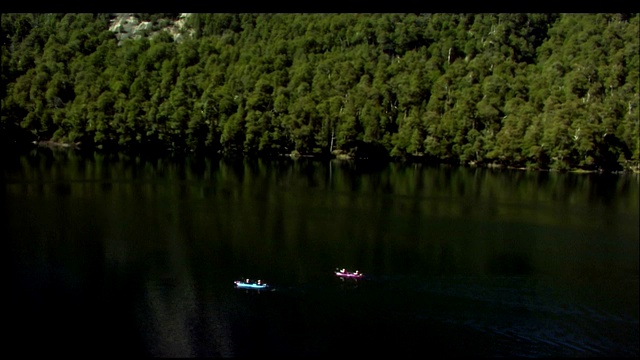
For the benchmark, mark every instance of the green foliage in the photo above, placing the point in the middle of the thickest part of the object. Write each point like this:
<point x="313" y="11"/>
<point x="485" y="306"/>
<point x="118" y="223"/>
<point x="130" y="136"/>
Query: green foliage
<point x="553" y="91"/>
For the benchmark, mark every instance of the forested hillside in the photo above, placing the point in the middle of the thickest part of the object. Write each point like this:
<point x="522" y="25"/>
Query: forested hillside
<point x="556" y="91"/>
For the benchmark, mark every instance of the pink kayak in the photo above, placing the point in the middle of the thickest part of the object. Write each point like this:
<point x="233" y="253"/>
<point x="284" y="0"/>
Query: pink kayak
<point x="347" y="274"/>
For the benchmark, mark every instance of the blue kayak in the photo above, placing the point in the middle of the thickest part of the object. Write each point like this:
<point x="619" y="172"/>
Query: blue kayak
<point x="245" y="285"/>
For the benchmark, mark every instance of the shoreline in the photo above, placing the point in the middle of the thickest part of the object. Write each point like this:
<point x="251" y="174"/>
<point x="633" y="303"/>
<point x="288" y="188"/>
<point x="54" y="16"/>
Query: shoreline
<point x="340" y="156"/>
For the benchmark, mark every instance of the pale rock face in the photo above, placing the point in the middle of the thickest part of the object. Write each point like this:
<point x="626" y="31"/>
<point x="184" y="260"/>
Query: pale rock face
<point x="126" y="25"/>
<point x="145" y="25"/>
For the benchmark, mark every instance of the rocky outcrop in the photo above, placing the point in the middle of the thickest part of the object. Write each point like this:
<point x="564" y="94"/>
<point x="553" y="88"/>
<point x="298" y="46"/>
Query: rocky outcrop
<point x="55" y="144"/>
<point x="128" y="26"/>
<point x="123" y="23"/>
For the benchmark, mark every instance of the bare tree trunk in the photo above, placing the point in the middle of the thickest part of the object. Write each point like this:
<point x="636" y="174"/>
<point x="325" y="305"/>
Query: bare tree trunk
<point x="332" y="137"/>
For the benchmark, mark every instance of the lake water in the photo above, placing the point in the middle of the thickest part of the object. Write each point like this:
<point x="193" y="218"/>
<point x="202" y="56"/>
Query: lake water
<point x="117" y="255"/>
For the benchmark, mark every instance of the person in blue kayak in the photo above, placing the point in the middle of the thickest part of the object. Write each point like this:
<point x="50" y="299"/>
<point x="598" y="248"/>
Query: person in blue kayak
<point x="259" y="282"/>
<point x="247" y="280"/>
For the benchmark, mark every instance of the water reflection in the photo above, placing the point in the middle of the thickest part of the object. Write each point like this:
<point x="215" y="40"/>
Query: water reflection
<point x="158" y="242"/>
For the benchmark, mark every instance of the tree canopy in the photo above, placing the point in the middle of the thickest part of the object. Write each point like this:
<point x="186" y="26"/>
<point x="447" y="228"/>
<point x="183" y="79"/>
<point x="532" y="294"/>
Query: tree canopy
<point x="555" y="91"/>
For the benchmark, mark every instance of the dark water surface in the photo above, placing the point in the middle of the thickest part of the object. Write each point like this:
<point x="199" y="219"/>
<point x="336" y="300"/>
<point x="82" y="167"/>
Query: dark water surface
<point x="115" y="255"/>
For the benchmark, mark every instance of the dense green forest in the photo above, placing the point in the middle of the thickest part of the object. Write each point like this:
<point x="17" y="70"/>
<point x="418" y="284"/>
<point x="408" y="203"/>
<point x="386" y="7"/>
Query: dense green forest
<point x="541" y="91"/>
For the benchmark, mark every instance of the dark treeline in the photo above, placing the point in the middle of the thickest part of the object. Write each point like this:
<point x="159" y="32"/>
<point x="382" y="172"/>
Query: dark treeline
<point x="543" y="91"/>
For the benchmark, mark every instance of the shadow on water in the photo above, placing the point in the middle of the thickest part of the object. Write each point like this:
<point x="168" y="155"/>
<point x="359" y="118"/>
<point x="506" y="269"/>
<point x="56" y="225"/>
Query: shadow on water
<point x="138" y="254"/>
<point x="510" y="264"/>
